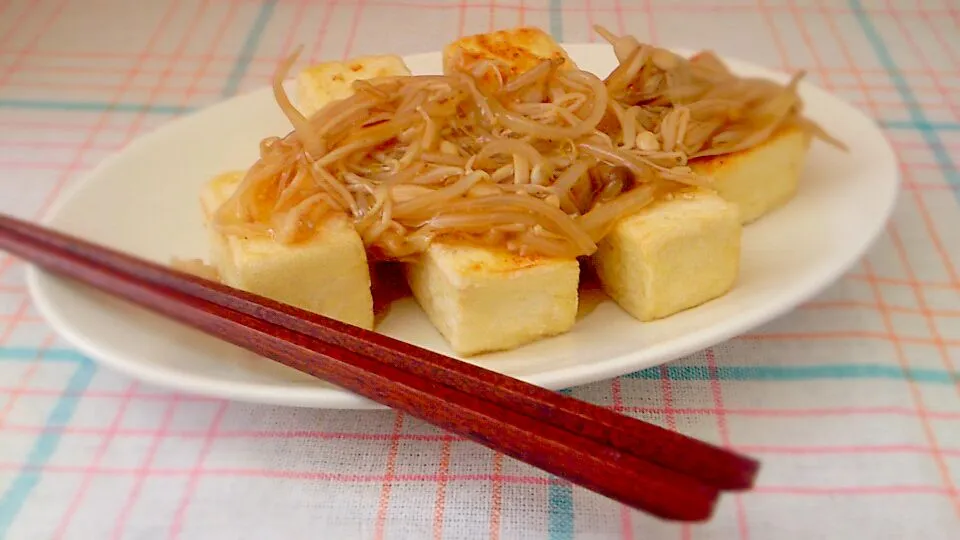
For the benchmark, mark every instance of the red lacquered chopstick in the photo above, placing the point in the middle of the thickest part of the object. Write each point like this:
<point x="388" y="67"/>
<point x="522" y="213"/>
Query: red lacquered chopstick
<point x="710" y="464"/>
<point x="573" y="455"/>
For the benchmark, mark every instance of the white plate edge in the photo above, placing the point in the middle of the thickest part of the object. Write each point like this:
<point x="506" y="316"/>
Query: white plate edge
<point x="334" y="398"/>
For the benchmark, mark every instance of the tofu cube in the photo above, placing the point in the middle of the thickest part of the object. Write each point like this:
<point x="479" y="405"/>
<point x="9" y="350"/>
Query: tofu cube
<point x="327" y="274"/>
<point x="675" y="254"/>
<point x="514" y="51"/>
<point x="322" y="83"/>
<point x="481" y="299"/>
<point x="485" y="300"/>
<point x="761" y="179"/>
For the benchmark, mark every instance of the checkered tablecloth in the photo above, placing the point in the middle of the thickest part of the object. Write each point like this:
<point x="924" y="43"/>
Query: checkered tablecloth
<point x="852" y="401"/>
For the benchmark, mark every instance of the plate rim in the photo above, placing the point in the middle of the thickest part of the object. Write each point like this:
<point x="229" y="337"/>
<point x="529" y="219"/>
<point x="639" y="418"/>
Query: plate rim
<point x="336" y="398"/>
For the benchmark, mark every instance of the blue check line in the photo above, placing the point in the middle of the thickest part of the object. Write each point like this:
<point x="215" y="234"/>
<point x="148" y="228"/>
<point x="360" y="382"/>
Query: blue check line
<point x="917" y="117"/>
<point x="234" y="79"/>
<point x="14" y="354"/>
<point x="249" y="49"/>
<point x="924" y="126"/>
<point x="560" y="498"/>
<point x="556" y="19"/>
<point x="559" y="509"/>
<point x="675" y="372"/>
<point x="92" y="106"/>
<point x="560" y="493"/>
<point x="799" y="373"/>
<point x="18" y="491"/>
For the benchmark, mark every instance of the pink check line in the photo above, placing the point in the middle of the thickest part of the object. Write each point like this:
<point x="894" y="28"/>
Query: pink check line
<point x="103" y="119"/>
<point x="491" y="15"/>
<point x="155" y="91"/>
<point x="328" y="435"/>
<point x="264" y="77"/>
<point x="75" y="86"/>
<point x="272" y="60"/>
<point x="298" y="18"/>
<point x="902" y="282"/>
<point x="799" y="413"/>
<point x="13" y="321"/>
<point x="140" y="479"/>
<point x="589" y="10"/>
<point x="105" y="394"/>
<point x="16" y="25"/>
<point x="666" y="384"/>
<point x="74" y="505"/>
<point x="19" y="319"/>
<point x="666" y="8"/>
<point x="6" y="263"/>
<point x="58" y="126"/>
<point x="938" y="243"/>
<point x="496" y="484"/>
<point x="25" y="52"/>
<point x="917" y="187"/>
<point x="906" y="489"/>
<point x="917" y="395"/>
<point x="851" y="304"/>
<point x="942" y="41"/>
<point x="920" y="202"/>
<point x="954" y="14"/>
<point x="848" y="57"/>
<point x="353" y="29"/>
<point x="920" y="145"/>
<point x="44" y="166"/>
<point x="716" y="388"/>
<point x="390" y="468"/>
<point x="27" y="144"/>
<point x="923" y="166"/>
<point x="121" y="522"/>
<point x="918" y="50"/>
<point x="841" y="334"/>
<point x="270" y="473"/>
<point x="179" y="517"/>
<point x="25" y="379"/>
<point x="670" y="411"/>
<point x="235" y="434"/>
<point x="626" y="519"/>
<point x="840" y="450"/>
<point x="317" y="47"/>
<point x="931" y="319"/>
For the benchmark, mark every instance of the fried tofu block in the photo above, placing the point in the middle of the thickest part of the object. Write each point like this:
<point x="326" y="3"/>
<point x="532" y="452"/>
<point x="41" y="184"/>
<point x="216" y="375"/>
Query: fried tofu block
<point x="675" y="254"/>
<point x="761" y="179"/>
<point x="481" y="299"/>
<point x="512" y="51"/>
<point x="485" y="300"/>
<point x="327" y="274"/>
<point x="322" y="83"/>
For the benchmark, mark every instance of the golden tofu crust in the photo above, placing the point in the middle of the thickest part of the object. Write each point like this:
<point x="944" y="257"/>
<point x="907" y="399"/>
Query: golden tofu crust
<point x="322" y="83"/>
<point x="761" y="179"/>
<point x="677" y="253"/>
<point x="513" y="51"/>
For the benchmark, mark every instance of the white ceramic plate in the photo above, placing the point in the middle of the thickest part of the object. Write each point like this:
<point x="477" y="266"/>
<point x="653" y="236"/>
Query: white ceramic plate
<point x="144" y="201"/>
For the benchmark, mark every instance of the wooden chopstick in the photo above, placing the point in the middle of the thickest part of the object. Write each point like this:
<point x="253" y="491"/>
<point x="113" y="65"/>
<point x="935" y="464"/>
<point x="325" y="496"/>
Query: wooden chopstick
<point x="573" y="457"/>
<point x="537" y="442"/>
<point x="710" y="464"/>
